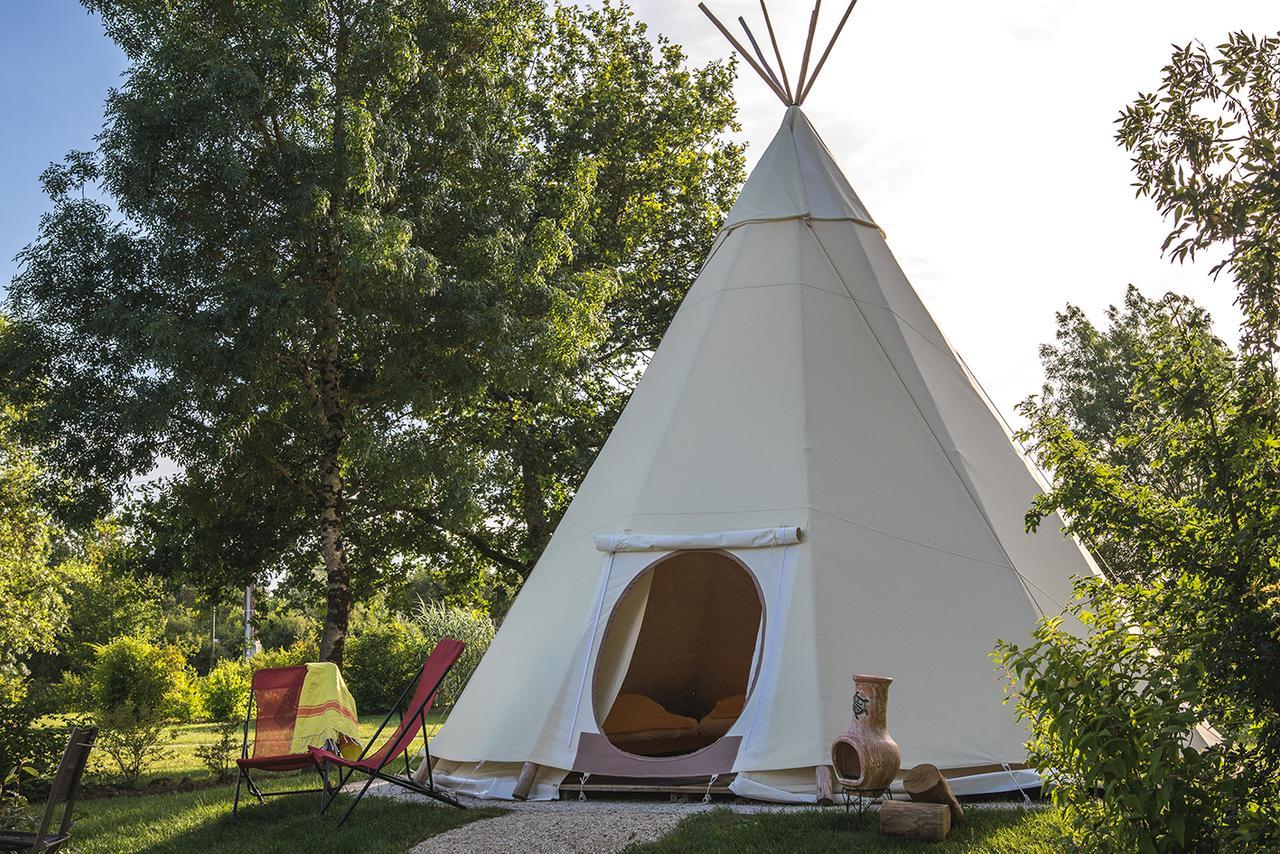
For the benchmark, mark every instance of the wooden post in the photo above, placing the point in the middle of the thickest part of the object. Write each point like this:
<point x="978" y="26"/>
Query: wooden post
<point x="926" y="784"/>
<point x="420" y="775"/>
<point x="825" y="776"/>
<point x="928" y="822"/>
<point x="524" y="782"/>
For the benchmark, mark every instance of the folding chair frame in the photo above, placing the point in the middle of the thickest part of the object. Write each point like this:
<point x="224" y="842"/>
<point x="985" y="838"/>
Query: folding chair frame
<point x="244" y="779"/>
<point x="407" y="781"/>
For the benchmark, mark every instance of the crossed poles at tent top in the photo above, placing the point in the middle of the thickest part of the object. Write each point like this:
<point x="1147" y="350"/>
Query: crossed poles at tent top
<point x="782" y="87"/>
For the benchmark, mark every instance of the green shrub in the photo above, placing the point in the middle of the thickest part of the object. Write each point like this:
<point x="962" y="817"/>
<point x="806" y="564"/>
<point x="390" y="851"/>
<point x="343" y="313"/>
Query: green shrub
<point x="380" y="659"/>
<point x="23" y="744"/>
<point x="225" y="690"/>
<point x="1111" y="717"/>
<point x="140" y="681"/>
<point x="282" y="628"/>
<point x="300" y="652"/>
<point x="15" y="812"/>
<point x="216" y="756"/>
<point x="134" y="744"/>
<point x="475" y="628"/>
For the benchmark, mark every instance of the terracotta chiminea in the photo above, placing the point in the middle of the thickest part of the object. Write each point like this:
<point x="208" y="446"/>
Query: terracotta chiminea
<point x="866" y="757"/>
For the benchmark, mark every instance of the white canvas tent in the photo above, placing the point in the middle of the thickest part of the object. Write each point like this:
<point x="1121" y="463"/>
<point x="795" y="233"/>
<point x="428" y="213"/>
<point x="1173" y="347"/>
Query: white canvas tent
<point x="807" y="483"/>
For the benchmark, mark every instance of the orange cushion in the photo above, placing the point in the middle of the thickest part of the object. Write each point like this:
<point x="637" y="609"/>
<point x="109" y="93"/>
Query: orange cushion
<point x="718" y="720"/>
<point x="635" y="717"/>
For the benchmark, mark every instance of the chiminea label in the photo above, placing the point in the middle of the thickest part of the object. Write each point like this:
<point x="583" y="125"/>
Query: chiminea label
<point x="859" y="704"/>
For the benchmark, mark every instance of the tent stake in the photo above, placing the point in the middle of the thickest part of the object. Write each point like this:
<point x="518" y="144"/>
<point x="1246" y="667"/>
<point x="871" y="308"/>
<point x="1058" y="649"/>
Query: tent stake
<point x="823" y="61"/>
<point x="737" y="45"/>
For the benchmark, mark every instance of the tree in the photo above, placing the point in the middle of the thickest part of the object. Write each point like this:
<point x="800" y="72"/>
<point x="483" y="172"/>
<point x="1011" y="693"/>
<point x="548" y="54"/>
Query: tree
<point x="376" y="274"/>
<point x="31" y="583"/>
<point x="1164" y="448"/>
<point x="1206" y="149"/>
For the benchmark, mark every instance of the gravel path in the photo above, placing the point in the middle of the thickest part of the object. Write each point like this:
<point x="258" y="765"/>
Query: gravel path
<point x="588" y="829"/>
<point x="596" y="826"/>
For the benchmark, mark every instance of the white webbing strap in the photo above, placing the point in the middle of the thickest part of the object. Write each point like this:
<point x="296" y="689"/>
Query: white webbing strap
<point x="706" y="799"/>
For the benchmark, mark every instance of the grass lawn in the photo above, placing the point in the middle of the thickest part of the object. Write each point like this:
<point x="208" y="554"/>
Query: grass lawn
<point x="182" y="741"/>
<point x="200" y="822"/>
<point x="159" y="819"/>
<point x="997" y="831"/>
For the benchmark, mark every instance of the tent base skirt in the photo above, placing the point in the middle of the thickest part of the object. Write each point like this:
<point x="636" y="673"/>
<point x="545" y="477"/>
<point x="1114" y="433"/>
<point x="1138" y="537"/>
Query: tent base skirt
<point x="497" y="781"/>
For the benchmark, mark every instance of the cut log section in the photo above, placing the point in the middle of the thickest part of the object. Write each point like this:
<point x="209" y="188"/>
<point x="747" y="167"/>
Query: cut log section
<point x="925" y="783"/>
<point x="524" y="783"/>
<point x="825" y="776"/>
<point x="914" y="820"/>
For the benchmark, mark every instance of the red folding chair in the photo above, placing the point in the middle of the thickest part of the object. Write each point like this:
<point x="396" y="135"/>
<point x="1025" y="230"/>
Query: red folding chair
<point x="413" y="720"/>
<point x="274" y="693"/>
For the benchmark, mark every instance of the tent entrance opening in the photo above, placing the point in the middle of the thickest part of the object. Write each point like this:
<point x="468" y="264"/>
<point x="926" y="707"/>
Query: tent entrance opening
<point x="679" y="654"/>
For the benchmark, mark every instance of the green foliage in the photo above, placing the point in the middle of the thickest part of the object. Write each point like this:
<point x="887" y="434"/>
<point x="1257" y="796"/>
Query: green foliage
<point x="216" y="756"/>
<point x="225" y="690"/>
<point x="137" y="681"/>
<point x="24" y="741"/>
<point x="15" y="812"/>
<point x="283" y="627"/>
<point x="1164" y="448"/>
<point x="133" y="743"/>
<point x="1111" y="719"/>
<point x="300" y="652"/>
<point x="472" y="627"/>
<point x="383" y="655"/>
<point x="379" y="277"/>
<point x="32" y="586"/>
<point x="1206" y="149"/>
<point x="386" y="651"/>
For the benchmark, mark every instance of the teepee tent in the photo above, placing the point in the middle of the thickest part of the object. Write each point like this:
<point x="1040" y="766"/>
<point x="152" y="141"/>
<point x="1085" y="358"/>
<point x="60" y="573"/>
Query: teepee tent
<point x="806" y="484"/>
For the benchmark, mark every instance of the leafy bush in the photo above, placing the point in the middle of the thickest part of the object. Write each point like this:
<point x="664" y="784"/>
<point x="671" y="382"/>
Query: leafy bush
<point x="216" y="756"/>
<point x="387" y="651"/>
<point x="475" y="628"/>
<point x="15" y="812"/>
<point x="1112" y="718"/>
<point x="225" y="690"/>
<point x="282" y="628"/>
<point x="291" y="656"/>
<point x="134" y="744"/>
<point x="380" y="659"/>
<point x="23" y="744"/>
<point x="137" y="679"/>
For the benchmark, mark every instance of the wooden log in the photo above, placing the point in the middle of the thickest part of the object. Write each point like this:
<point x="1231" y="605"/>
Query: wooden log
<point x="928" y="822"/>
<point x="825" y="776"/>
<point x="524" y="783"/>
<point x="926" y="784"/>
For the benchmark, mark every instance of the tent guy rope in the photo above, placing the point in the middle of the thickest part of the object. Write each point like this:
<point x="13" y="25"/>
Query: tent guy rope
<point x="781" y="86"/>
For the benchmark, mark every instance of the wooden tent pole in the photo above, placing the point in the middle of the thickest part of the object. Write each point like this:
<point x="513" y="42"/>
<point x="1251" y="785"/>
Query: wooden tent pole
<point x="808" y="45"/>
<point x="760" y="56"/>
<point x="823" y="61"/>
<point x="737" y="45"/>
<point x="786" y="84"/>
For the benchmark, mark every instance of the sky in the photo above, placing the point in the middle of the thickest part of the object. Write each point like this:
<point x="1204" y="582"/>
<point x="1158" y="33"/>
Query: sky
<point x="979" y="135"/>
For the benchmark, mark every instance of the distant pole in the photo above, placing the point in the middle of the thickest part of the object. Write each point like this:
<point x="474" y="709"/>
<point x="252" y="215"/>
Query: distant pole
<point x="213" y="636"/>
<point x="248" y="622"/>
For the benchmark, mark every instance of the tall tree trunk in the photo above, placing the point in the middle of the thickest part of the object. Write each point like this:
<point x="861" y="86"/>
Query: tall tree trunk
<point x="338" y="597"/>
<point x="338" y="573"/>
